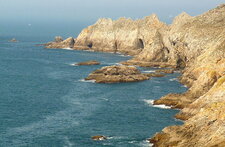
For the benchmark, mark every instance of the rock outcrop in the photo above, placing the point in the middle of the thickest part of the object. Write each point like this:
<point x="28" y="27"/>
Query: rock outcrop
<point x="117" y="74"/>
<point x="92" y="62"/>
<point x="124" y="35"/>
<point x="98" y="137"/>
<point x="60" y="43"/>
<point x="203" y="105"/>
<point x="13" y="40"/>
<point x="194" y="44"/>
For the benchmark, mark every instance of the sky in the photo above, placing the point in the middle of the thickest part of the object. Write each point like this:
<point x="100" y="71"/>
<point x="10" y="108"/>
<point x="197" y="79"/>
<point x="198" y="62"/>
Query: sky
<point x="86" y="12"/>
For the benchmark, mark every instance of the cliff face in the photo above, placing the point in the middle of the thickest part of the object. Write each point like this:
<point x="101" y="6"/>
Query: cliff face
<point x="123" y="35"/>
<point x="203" y="104"/>
<point x="206" y="126"/>
<point x="194" y="44"/>
<point x="187" y="38"/>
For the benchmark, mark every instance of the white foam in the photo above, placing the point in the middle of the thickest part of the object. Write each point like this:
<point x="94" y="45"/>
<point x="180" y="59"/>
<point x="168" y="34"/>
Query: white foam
<point x="105" y="99"/>
<point x="146" y="143"/>
<point x="184" y="86"/>
<point x="149" y="71"/>
<point x="68" y="143"/>
<point x="88" y="50"/>
<point x="119" y="64"/>
<point x="67" y="48"/>
<point x="151" y="103"/>
<point x="173" y="79"/>
<point x="108" y="63"/>
<point x="73" y="64"/>
<point x="117" y="137"/>
<point x="87" y="81"/>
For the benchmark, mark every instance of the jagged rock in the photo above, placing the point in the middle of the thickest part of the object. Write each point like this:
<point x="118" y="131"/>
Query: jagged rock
<point x="194" y="44"/>
<point x="167" y="71"/>
<point x="205" y="127"/>
<point x="60" y="43"/>
<point x="203" y="105"/>
<point x="58" y="39"/>
<point x="92" y="62"/>
<point x="13" y="40"/>
<point x="117" y="74"/>
<point x="123" y="35"/>
<point x="99" y="137"/>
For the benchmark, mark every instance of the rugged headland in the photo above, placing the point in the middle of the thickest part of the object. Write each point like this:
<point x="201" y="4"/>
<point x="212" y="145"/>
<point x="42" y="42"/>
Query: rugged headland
<point x="195" y="45"/>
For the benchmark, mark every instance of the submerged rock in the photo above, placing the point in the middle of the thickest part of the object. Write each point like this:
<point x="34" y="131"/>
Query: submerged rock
<point x="117" y="74"/>
<point x="92" y="62"/>
<point x="98" y="137"/>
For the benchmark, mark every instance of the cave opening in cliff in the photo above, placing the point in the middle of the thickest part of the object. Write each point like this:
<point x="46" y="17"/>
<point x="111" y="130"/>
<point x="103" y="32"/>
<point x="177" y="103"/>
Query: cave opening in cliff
<point x="140" y="44"/>
<point x="90" y="45"/>
<point x="115" y="46"/>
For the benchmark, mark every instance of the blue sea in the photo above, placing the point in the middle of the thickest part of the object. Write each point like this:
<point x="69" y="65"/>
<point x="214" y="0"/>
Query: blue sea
<point x="44" y="101"/>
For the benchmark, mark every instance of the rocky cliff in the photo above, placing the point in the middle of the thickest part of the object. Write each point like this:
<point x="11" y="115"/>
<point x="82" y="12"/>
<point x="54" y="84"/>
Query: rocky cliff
<point x="203" y="104"/>
<point x="194" y="44"/>
<point x="123" y="35"/>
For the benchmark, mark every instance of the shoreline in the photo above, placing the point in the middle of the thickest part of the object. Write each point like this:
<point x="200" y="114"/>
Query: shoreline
<point x="195" y="45"/>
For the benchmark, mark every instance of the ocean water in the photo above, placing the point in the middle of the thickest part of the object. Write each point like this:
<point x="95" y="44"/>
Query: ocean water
<point x="44" y="101"/>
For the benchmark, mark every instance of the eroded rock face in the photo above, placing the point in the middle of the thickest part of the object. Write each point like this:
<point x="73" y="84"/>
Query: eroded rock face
<point x="205" y="125"/>
<point x="123" y="35"/>
<point x="194" y="44"/>
<point x="203" y="105"/>
<point x="117" y="74"/>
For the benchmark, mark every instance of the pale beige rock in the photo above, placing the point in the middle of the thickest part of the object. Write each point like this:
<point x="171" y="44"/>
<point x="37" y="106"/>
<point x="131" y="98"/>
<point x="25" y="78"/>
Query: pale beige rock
<point x="123" y="35"/>
<point x="92" y="62"/>
<point x="117" y="74"/>
<point x="60" y="43"/>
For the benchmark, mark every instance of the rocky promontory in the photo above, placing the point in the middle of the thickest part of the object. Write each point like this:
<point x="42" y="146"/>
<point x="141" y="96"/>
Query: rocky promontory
<point x="117" y="74"/>
<point x="193" y="44"/>
<point x="60" y="43"/>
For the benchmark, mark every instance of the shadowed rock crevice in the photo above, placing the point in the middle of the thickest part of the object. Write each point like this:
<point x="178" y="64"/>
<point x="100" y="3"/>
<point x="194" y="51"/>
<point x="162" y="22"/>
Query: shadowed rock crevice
<point x="140" y="44"/>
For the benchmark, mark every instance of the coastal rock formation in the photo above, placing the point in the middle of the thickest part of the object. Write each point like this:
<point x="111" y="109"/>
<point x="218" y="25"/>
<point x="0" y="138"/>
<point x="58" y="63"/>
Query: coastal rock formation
<point x="99" y="137"/>
<point x="124" y="35"/>
<point x="13" y="40"/>
<point x="117" y="74"/>
<point x="194" y="44"/>
<point x="60" y="43"/>
<point x="205" y="126"/>
<point x="92" y="62"/>
<point x="203" y="105"/>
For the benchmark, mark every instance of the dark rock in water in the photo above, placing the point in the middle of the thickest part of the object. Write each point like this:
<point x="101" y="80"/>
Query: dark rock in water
<point x="13" y="40"/>
<point x="98" y="137"/>
<point x="92" y="62"/>
<point x="117" y="74"/>
<point x="58" y="39"/>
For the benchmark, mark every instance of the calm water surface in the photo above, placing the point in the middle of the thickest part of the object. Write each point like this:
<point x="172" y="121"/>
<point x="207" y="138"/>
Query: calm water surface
<point x="45" y="102"/>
